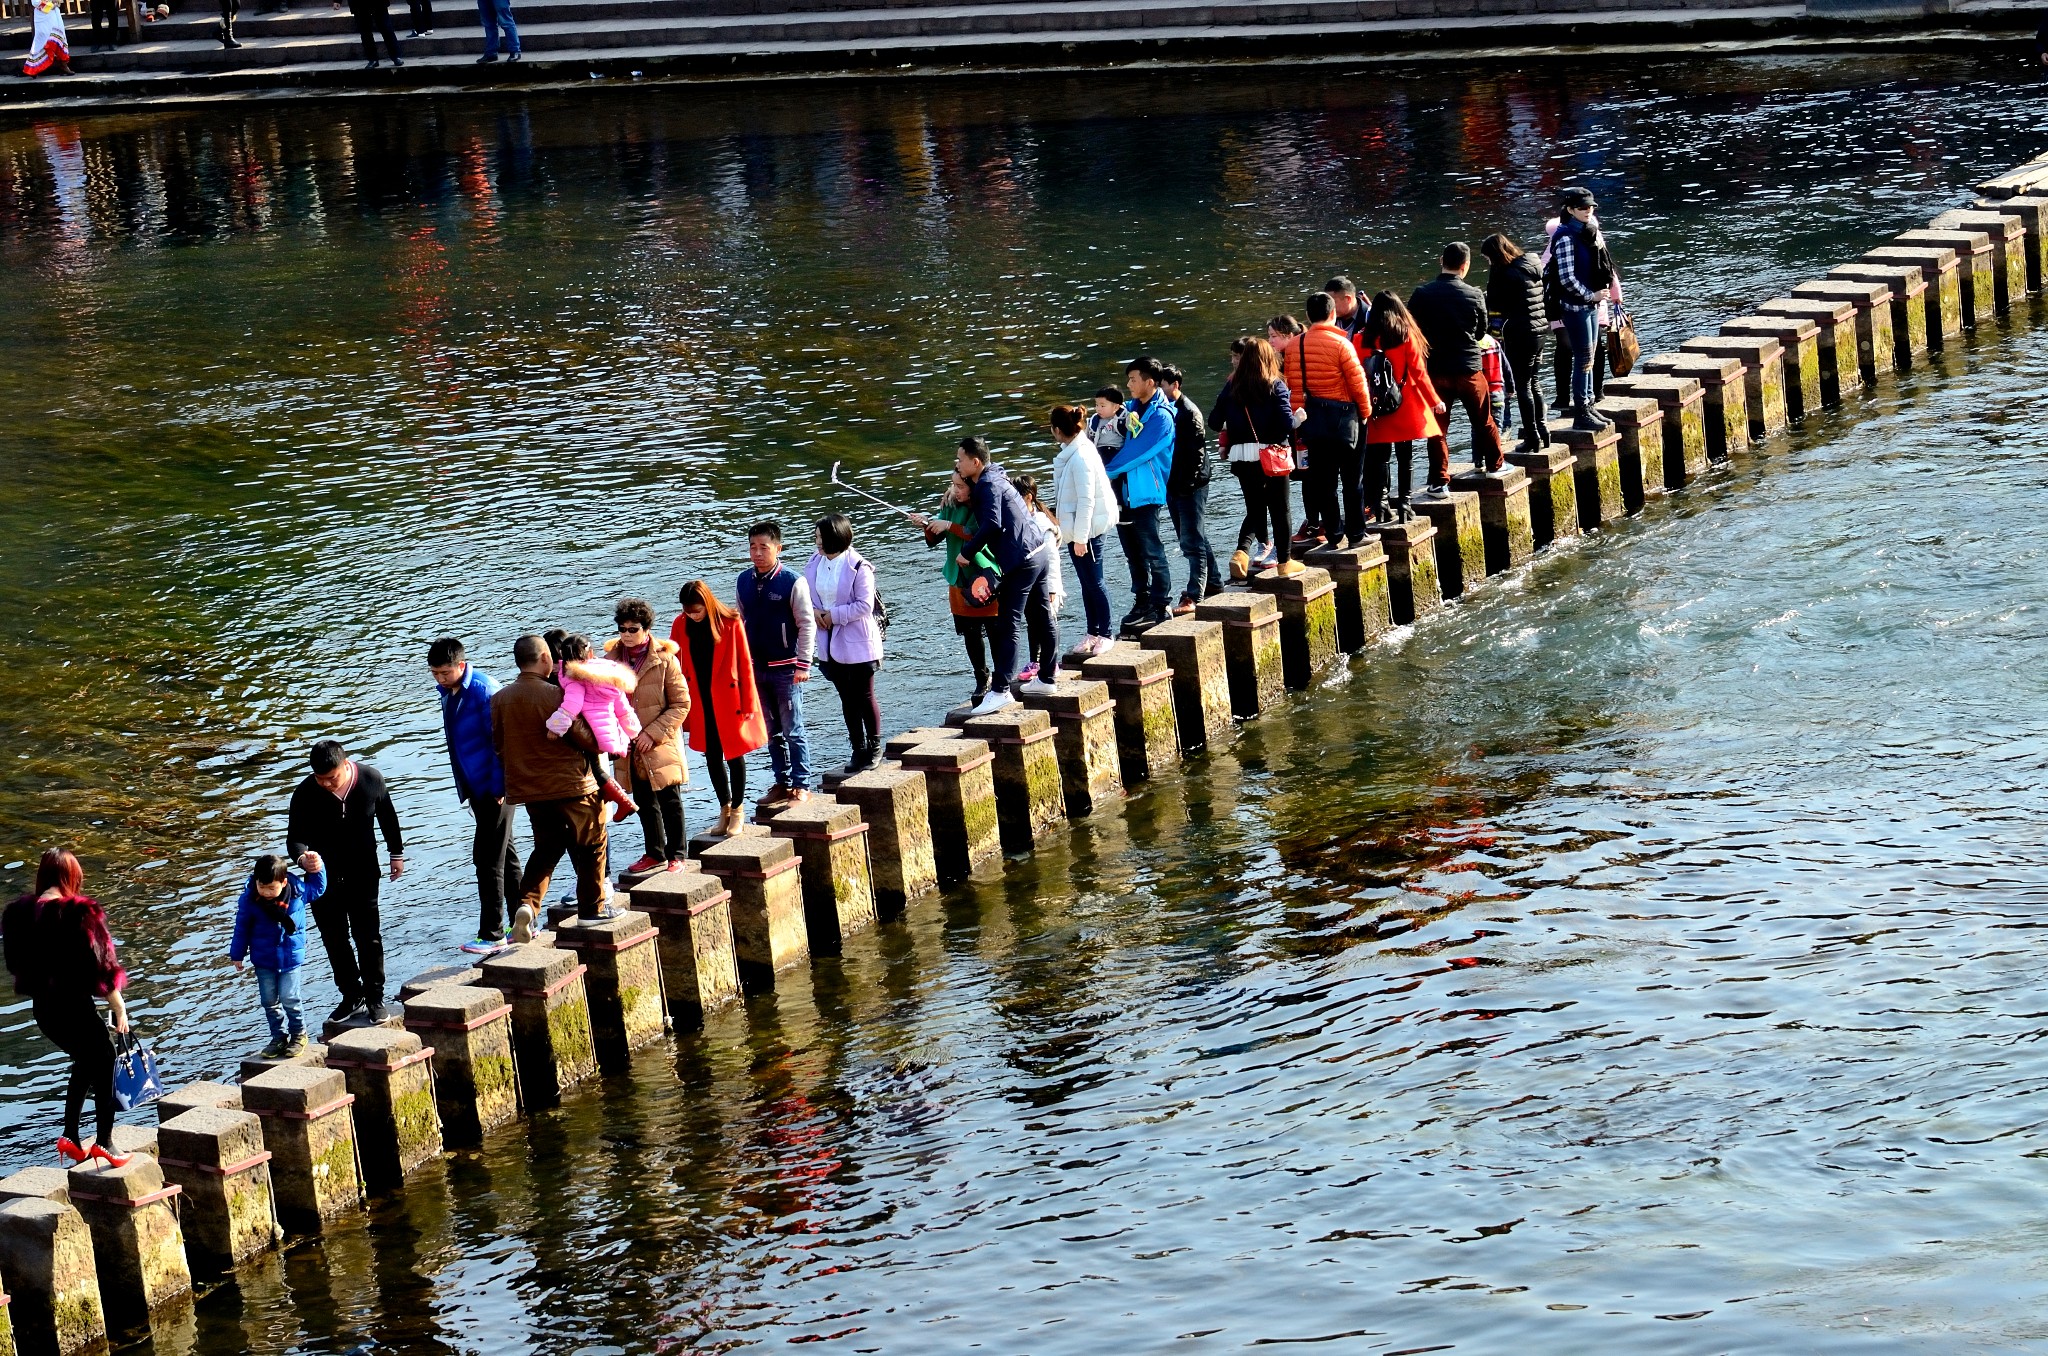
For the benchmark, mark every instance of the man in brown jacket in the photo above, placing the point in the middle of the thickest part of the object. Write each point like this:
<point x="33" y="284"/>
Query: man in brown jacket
<point x="550" y="776"/>
<point x="653" y="768"/>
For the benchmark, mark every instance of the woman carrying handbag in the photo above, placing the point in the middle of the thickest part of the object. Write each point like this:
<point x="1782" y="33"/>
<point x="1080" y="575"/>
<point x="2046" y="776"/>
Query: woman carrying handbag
<point x="1254" y="418"/>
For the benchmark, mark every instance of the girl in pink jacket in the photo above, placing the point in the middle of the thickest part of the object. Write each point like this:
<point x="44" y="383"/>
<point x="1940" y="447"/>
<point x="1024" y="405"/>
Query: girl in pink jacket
<point x="600" y="691"/>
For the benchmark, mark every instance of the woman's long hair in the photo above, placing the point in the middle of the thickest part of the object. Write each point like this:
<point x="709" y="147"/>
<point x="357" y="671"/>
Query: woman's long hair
<point x="1258" y="367"/>
<point x="697" y="593"/>
<point x="1391" y="325"/>
<point x="1499" y="250"/>
<point x="59" y="871"/>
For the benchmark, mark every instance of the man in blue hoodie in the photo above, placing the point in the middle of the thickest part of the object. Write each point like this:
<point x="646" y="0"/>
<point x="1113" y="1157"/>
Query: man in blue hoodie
<point x="479" y="784"/>
<point x="1023" y="581"/>
<point x="1139" y="471"/>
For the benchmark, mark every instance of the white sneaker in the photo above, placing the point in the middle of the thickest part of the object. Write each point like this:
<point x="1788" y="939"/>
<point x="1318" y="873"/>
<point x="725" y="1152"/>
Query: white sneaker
<point x="1101" y="644"/>
<point x="1036" y="688"/>
<point x="522" y="925"/>
<point x="992" y="703"/>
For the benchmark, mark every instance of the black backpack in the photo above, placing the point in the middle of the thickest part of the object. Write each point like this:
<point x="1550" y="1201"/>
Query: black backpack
<point x="881" y="609"/>
<point x="1382" y="384"/>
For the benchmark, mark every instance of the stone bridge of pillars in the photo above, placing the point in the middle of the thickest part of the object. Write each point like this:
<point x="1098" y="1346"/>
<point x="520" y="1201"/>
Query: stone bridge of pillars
<point x="233" y="1170"/>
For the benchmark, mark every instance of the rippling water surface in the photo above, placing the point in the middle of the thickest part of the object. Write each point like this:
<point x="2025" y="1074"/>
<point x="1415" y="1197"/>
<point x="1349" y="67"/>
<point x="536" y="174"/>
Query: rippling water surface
<point x="1640" y="956"/>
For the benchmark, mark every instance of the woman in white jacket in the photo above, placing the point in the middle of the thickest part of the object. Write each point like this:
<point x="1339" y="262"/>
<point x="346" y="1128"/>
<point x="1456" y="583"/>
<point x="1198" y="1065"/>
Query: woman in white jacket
<point x="1087" y="508"/>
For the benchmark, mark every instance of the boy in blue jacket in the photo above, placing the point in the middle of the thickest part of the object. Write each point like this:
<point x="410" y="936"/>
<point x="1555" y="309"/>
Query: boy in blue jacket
<point x="270" y="929"/>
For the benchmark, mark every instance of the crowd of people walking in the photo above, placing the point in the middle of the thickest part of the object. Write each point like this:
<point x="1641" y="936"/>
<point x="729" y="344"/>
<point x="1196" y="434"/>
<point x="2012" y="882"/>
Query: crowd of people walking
<point x="585" y="734"/>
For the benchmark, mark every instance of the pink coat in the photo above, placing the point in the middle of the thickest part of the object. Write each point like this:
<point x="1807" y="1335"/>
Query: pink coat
<point x="602" y="693"/>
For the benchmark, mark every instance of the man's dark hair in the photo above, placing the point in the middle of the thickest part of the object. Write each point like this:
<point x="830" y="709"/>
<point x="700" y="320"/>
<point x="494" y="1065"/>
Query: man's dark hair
<point x="527" y="650"/>
<point x="1341" y="286"/>
<point x="768" y="528"/>
<point x="445" y="651"/>
<point x="269" y="869"/>
<point x="1145" y="367"/>
<point x="975" y="448"/>
<point x="633" y="610"/>
<point x="326" y="756"/>
<point x="835" y="533"/>
<point x="1319" y="307"/>
<point x="1457" y="255"/>
<point x="1170" y="375"/>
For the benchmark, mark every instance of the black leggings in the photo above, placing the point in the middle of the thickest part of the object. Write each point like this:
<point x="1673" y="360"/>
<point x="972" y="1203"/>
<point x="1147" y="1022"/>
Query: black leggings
<point x="661" y="818"/>
<point x="974" y="631"/>
<point x="856" y="687"/>
<point x="73" y="1025"/>
<point x="1525" y="355"/>
<point x="1389" y="470"/>
<point x="728" y="775"/>
<point x="1267" y="510"/>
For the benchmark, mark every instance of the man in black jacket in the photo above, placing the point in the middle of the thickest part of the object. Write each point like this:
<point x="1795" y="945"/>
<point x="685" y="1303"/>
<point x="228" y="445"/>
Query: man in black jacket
<point x="1452" y="314"/>
<point x="332" y="814"/>
<point x="1187" y="493"/>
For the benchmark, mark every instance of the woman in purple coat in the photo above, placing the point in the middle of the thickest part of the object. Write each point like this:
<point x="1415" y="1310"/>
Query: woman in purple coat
<point x="842" y="584"/>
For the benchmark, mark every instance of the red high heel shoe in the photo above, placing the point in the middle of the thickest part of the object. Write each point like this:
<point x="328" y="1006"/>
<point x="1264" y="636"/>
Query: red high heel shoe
<point x="112" y="1160"/>
<point x="67" y="1149"/>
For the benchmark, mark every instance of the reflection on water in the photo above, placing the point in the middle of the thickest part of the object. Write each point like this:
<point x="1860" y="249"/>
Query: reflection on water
<point x="1634" y="958"/>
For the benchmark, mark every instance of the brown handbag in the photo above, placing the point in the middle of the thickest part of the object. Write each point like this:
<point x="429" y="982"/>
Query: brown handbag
<point x="1623" y="348"/>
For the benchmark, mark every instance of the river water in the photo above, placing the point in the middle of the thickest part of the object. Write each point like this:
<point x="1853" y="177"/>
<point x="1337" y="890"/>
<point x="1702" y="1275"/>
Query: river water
<point x="1637" y="957"/>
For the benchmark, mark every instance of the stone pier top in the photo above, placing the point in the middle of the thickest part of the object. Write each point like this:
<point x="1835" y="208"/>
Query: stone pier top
<point x="820" y="817"/>
<point x="677" y="891"/>
<point x="1711" y="370"/>
<point x="294" y="1089"/>
<point x="1629" y="411"/>
<point x="1821" y="310"/>
<point x="373" y="1047"/>
<point x="1900" y="280"/>
<point x="1961" y="241"/>
<point x="1861" y="294"/>
<point x="464" y="1006"/>
<point x="1486" y="484"/>
<point x="1672" y="390"/>
<point x="212" y="1137"/>
<point x="1073" y="696"/>
<point x="181" y="1100"/>
<point x="1126" y="664"/>
<point x="1238" y="609"/>
<point x="1993" y="223"/>
<point x="535" y="969"/>
<point x="883" y="777"/>
<point x="1755" y="349"/>
<point x="1351" y="560"/>
<point x="622" y="928"/>
<point x="1011" y="725"/>
<point x="1787" y="329"/>
<point x="1310" y="582"/>
<point x="436" y="977"/>
<point x="37" y="1184"/>
<point x="946" y="755"/>
<point x="125" y="1185"/>
<point x="752" y="855"/>
<point x="910" y="739"/>
<point x="1584" y="440"/>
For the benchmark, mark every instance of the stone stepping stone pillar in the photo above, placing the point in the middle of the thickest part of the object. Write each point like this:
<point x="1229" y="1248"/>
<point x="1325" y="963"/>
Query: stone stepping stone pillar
<point x="1763" y="377"/>
<point x="1639" y="422"/>
<point x="468" y="1028"/>
<point x="391" y="1075"/>
<point x="1504" y="522"/>
<point x="1841" y="366"/>
<point x="1596" y="472"/>
<point x="1460" y="541"/>
<point x="1031" y="802"/>
<point x="1798" y="343"/>
<point x="438" y="977"/>
<point x="1365" y="610"/>
<point x="1979" y="268"/>
<point x="1413" y="590"/>
<point x="893" y="800"/>
<point x="2006" y="232"/>
<point x="314" y="1057"/>
<point x="1147" y="730"/>
<point x="1201" y="681"/>
<point x="831" y="841"/>
<point x="1684" y="402"/>
<point x="1906" y="291"/>
<point x="1724" y="397"/>
<point x="621" y="980"/>
<point x="138" y="1246"/>
<point x="1251" y="650"/>
<point x="960" y="798"/>
<point x="1553" y="490"/>
<point x="46" y="1254"/>
<point x="1084" y="735"/>
<point x="37" y="1184"/>
<point x="216" y="1154"/>
<point x="897" y="745"/>
<point x="194" y="1096"/>
<point x="1877" y="351"/>
<point x="767" y="905"/>
<point x="2031" y="211"/>
<point x="551" y="1037"/>
<point x="692" y="916"/>
<point x="1308" y="621"/>
<point x="1943" y="293"/>
<point x="310" y="1130"/>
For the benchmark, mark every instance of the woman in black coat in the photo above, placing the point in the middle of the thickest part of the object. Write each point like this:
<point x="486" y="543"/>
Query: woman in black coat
<point x="1252" y="411"/>
<point x="1514" y="292"/>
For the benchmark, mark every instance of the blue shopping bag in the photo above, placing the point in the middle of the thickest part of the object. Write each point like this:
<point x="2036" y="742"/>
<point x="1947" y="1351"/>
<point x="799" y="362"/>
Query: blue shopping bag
<point x="135" y="1080"/>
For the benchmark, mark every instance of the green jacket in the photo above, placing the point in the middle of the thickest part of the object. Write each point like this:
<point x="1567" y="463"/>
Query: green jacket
<point x="962" y="516"/>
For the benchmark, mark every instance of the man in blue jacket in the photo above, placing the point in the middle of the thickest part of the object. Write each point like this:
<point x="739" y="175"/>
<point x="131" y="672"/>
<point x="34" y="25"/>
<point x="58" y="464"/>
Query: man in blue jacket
<point x="1023" y="582"/>
<point x="479" y="784"/>
<point x="1139" y="471"/>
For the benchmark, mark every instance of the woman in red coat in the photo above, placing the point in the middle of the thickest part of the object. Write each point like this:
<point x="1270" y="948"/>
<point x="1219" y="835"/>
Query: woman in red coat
<point x="1391" y="333"/>
<point x="725" y="721"/>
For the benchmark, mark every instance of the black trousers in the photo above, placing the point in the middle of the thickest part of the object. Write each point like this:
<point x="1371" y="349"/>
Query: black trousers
<point x="974" y="633"/>
<point x="229" y="9"/>
<point x="497" y="865"/>
<point x="661" y="816"/>
<point x="105" y="9"/>
<point x="1525" y="359"/>
<point x="1391" y="468"/>
<point x="728" y="775"/>
<point x="353" y="933"/>
<point x="855" y="684"/>
<point x="374" y="17"/>
<point x="72" y="1023"/>
<point x="422" y="15"/>
<point x="1337" y="470"/>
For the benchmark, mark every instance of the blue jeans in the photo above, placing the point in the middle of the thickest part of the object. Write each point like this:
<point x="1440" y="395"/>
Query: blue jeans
<point x="497" y="14"/>
<point x="1190" y="513"/>
<point x="782" y="705"/>
<point x="278" y="992"/>
<point x="1094" y="596"/>
<point x="1150" y="580"/>
<point x="1582" y="332"/>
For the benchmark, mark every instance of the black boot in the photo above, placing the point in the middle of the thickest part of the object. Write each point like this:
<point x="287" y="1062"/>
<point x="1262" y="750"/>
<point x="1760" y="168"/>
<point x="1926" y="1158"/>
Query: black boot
<point x="1585" y="421"/>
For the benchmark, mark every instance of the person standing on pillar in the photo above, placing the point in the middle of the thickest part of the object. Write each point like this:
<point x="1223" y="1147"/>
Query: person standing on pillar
<point x="782" y="632"/>
<point x="550" y="775"/>
<point x="1451" y="314"/>
<point x="496" y="15"/>
<point x="1022" y="580"/>
<point x="652" y="767"/>
<point x="1327" y="384"/>
<point x="1577" y="278"/>
<point x="1397" y="352"/>
<point x="466" y="693"/>
<point x="1141" y="465"/>
<point x="373" y="17"/>
<point x="1514" y="292"/>
<point x="1187" y="494"/>
<point x="337" y="812"/>
<point x="1350" y="309"/>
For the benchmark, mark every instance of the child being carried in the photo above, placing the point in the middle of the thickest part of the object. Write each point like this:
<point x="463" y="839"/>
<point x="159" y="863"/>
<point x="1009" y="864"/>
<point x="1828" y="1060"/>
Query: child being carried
<point x="601" y="691"/>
